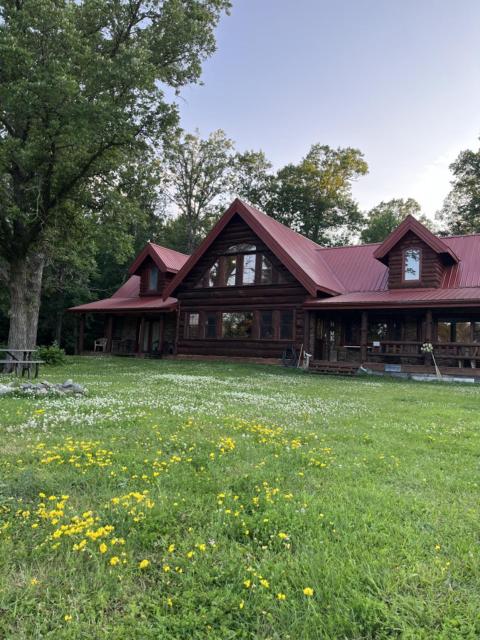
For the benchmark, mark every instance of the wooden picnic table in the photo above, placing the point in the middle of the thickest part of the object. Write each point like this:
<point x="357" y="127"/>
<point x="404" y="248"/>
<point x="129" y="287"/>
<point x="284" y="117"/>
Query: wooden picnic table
<point x="20" y="361"/>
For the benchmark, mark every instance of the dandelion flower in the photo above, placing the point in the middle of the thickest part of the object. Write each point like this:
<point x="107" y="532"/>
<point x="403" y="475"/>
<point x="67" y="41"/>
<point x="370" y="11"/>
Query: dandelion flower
<point x="171" y="548"/>
<point x="241" y="605"/>
<point x="308" y="591"/>
<point x="281" y="596"/>
<point x="67" y="617"/>
<point x="114" y="560"/>
<point x="34" y="581"/>
<point x="247" y="584"/>
<point x="264" y="583"/>
<point x="144" y="564"/>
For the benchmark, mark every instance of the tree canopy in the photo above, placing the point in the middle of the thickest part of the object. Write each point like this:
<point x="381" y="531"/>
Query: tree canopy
<point x="81" y="96"/>
<point x="461" y="211"/>
<point x="386" y="216"/>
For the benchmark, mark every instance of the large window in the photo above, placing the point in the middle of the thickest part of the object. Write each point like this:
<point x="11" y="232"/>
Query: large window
<point x="286" y="325"/>
<point x="193" y="325"/>
<point x="237" y="324"/>
<point x="249" y="261"/>
<point x="231" y="271"/>
<point x="266" y="325"/>
<point x="210" y="325"/>
<point x="411" y="264"/>
<point x="153" y="278"/>
<point x="241" y="264"/>
<point x="458" y="331"/>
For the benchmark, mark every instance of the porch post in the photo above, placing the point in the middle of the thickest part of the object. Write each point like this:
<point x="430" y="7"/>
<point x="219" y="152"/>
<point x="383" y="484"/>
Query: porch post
<point x="109" y="333"/>
<point x="428" y="326"/>
<point x="140" y="335"/>
<point x="161" y="333"/>
<point x="427" y="360"/>
<point x="81" y="334"/>
<point x="363" y="337"/>
<point x="306" y="332"/>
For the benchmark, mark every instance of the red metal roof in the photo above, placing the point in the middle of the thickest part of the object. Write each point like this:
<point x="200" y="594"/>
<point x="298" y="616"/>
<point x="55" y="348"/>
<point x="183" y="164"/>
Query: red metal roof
<point x="128" y="298"/>
<point x="299" y="254"/>
<point x="165" y="259"/>
<point x="411" y="224"/>
<point x="468" y="296"/>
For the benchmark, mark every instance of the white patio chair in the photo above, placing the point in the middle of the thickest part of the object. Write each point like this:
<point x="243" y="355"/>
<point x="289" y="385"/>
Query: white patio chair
<point x="100" y="344"/>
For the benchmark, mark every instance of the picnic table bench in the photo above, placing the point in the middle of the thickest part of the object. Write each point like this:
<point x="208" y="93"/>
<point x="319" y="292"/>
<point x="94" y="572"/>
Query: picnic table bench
<point x="20" y="361"/>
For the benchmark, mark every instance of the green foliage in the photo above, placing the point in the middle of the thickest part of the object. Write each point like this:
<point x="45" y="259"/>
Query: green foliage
<point x="313" y="197"/>
<point x="364" y="490"/>
<point x="52" y="354"/>
<point x="386" y="216"/>
<point x="82" y="110"/>
<point x="461" y="211"/>
<point x="196" y="173"/>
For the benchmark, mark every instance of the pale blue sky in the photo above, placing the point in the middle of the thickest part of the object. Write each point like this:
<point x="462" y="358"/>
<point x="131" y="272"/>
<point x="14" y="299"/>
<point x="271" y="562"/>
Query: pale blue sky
<point x="398" y="79"/>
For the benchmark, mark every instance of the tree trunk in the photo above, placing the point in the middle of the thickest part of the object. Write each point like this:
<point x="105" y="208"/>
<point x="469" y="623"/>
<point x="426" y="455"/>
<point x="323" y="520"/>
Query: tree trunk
<point x="59" y="327"/>
<point x="25" y="291"/>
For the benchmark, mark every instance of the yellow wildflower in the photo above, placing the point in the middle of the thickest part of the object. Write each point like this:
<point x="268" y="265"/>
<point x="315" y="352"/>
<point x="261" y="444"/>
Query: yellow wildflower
<point x="308" y="591"/>
<point x="241" y="605"/>
<point x="34" y="581"/>
<point x="144" y="564"/>
<point x="281" y="596"/>
<point x="103" y="548"/>
<point x="67" y="618"/>
<point x="171" y="548"/>
<point x="166" y="568"/>
<point x="247" y="584"/>
<point x="283" y="536"/>
<point x="264" y="583"/>
<point x="114" y="560"/>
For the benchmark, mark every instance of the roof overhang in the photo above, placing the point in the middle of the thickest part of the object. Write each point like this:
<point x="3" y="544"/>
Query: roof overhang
<point x="238" y="208"/>
<point x="148" y="252"/>
<point x="421" y="231"/>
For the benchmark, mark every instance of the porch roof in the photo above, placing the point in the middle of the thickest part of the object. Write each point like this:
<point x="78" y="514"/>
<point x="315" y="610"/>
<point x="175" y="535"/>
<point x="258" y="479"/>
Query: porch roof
<point x="400" y="298"/>
<point x="127" y="298"/>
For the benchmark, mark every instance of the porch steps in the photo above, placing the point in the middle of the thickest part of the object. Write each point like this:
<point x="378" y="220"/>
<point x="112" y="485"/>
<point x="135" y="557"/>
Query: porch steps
<point x="333" y="368"/>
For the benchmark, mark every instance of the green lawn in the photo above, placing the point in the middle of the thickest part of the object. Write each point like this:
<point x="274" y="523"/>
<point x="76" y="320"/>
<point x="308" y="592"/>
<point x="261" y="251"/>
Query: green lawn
<point x="239" y="487"/>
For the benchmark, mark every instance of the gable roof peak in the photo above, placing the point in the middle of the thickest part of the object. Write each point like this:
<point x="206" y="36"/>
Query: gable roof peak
<point x="167" y="260"/>
<point x="411" y="224"/>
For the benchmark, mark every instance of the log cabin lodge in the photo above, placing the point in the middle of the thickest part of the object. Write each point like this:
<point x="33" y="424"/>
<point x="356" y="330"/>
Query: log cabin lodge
<point x="255" y="286"/>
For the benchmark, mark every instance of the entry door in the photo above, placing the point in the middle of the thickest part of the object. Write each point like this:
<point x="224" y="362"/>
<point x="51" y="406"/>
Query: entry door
<point x="327" y="338"/>
<point x="151" y="337"/>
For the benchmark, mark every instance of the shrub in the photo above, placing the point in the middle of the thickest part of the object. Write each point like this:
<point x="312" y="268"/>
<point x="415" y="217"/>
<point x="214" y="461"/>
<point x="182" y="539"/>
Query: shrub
<point x="52" y="354"/>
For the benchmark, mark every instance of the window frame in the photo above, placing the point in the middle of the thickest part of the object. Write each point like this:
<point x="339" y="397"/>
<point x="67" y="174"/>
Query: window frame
<point x="187" y="327"/>
<point x="404" y="265"/>
<point x="153" y="269"/>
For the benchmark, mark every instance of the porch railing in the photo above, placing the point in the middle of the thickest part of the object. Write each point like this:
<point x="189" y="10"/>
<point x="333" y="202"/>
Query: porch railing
<point x="413" y="349"/>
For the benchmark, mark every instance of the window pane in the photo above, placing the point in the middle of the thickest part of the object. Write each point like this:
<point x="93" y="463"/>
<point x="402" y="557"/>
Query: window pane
<point x="266" y="271"/>
<point x="476" y="331"/>
<point x="286" y="325"/>
<point x="212" y="275"/>
<point x="266" y="324"/>
<point x="211" y="325"/>
<point x="412" y="264"/>
<point x="193" y="325"/>
<point x="153" y="279"/>
<point x="237" y="325"/>
<point x="444" y="332"/>
<point x="249" y="268"/>
<point x="463" y="332"/>
<point x="241" y="248"/>
<point x="231" y="270"/>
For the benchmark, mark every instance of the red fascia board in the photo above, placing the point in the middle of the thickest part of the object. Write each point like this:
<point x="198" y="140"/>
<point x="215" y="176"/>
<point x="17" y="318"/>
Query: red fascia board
<point x="411" y="224"/>
<point x="237" y="207"/>
<point x="146" y="252"/>
<point x="425" y="304"/>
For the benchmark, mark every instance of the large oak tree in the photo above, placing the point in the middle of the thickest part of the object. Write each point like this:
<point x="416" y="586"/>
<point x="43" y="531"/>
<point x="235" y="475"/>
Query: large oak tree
<point x="80" y="97"/>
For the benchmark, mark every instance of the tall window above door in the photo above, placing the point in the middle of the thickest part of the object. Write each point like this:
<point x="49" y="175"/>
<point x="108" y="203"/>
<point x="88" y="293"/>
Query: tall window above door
<point x="411" y="264"/>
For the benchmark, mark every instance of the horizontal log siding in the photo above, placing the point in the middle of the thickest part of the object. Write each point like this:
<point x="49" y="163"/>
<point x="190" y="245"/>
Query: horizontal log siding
<point x="164" y="278"/>
<point x="288" y="295"/>
<point x="431" y="265"/>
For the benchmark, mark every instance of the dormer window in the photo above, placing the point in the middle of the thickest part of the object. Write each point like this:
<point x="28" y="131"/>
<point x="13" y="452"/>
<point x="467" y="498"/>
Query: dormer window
<point x="411" y="265"/>
<point x="153" y="278"/>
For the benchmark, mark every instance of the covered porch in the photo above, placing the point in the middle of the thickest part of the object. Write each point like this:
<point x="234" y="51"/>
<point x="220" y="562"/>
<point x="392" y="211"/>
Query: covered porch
<point x="140" y="335"/>
<point x="392" y="340"/>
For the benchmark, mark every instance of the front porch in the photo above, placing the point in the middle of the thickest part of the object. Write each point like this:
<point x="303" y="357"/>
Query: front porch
<point x="392" y="341"/>
<point x="140" y="335"/>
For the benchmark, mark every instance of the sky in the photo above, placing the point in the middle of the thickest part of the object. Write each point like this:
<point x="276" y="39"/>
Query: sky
<point x="398" y="79"/>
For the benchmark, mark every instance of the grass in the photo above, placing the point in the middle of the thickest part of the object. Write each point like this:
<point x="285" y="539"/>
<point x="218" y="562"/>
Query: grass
<point x="240" y="486"/>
